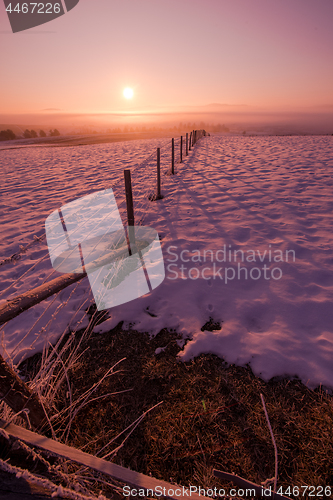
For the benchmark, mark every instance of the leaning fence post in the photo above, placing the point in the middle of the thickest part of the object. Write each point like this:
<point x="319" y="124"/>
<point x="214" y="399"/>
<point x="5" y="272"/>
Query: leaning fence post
<point x="173" y="156"/>
<point x="129" y="205"/>
<point x="17" y="395"/>
<point x="190" y="142"/>
<point x="181" y="149"/>
<point x="186" y="143"/>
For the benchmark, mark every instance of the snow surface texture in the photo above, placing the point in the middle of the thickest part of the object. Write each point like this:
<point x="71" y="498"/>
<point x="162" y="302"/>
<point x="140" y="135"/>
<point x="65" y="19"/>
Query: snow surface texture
<point x="269" y="197"/>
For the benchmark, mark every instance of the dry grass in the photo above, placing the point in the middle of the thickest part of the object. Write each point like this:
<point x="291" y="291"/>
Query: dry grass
<point x="211" y="416"/>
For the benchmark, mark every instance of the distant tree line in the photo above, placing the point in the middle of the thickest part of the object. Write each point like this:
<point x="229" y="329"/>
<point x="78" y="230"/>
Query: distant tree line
<point x="32" y="134"/>
<point x="54" y="133"/>
<point x="8" y="135"/>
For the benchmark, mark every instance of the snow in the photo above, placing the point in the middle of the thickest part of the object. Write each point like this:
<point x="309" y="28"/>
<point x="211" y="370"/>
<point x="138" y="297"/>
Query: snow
<point x="267" y="198"/>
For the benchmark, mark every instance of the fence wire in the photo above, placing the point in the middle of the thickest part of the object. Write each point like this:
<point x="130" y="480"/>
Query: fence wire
<point x="144" y="183"/>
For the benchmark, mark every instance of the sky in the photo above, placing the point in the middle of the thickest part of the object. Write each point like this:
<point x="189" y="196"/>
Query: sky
<point x="265" y="54"/>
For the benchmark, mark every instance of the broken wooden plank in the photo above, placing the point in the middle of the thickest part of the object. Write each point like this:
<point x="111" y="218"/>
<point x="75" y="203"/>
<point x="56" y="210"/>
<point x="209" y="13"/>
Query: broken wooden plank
<point x="128" y="477"/>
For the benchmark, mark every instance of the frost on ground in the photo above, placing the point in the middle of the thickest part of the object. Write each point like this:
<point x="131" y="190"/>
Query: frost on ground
<point x="246" y="232"/>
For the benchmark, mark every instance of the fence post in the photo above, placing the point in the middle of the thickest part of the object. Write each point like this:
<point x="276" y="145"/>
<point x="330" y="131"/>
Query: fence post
<point x="17" y="395"/>
<point x="186" y="143"/>
<point x="173" y="156"/>
<point x="181" y="149"/>
<point x="158" y="194"/>
<point x="190" y="141"/>
<point x="129" y="206"/>
<point x="129" y="197"/>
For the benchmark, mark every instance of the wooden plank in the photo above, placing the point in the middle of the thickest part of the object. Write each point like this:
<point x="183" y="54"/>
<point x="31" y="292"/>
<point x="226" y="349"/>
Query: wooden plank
<point x="127" y="476"/>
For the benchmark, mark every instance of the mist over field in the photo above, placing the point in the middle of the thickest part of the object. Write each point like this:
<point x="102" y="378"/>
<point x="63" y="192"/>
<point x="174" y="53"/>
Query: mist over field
<point x="237" y="119"/>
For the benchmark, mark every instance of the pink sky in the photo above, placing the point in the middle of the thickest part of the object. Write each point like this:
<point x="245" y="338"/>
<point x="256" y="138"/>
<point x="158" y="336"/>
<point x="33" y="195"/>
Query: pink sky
<point x="263" y="53"/>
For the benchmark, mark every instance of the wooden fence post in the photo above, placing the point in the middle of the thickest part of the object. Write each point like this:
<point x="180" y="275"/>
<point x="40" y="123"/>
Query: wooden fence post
<point x="158" y="194"/>
<point x="17" y="395"/>
<point x="129" y="205"/>
<point x="173" y="156"/>
<point x="181" y="149"/>
<point x="190" y="142"/>
<point x="129" y="197"/>
<point x="186" y="143"/>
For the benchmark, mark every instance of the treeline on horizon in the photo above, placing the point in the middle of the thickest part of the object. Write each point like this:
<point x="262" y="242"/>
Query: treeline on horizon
<point x="9" y="135"/>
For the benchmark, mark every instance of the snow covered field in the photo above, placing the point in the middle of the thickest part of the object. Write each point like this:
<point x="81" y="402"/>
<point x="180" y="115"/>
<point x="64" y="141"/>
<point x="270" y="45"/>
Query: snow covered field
<point x="246" y="231"/>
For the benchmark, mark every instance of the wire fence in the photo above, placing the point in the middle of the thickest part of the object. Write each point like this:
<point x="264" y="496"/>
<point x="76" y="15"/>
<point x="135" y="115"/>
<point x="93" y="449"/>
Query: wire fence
<point x="145" y="177"/>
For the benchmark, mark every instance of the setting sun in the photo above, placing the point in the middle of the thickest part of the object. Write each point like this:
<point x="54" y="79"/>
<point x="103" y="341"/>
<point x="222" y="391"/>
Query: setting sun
<point x="128" y="93"/>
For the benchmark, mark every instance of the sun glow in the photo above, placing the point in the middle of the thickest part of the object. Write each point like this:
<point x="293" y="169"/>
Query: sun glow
<point x="128" y="93"/>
